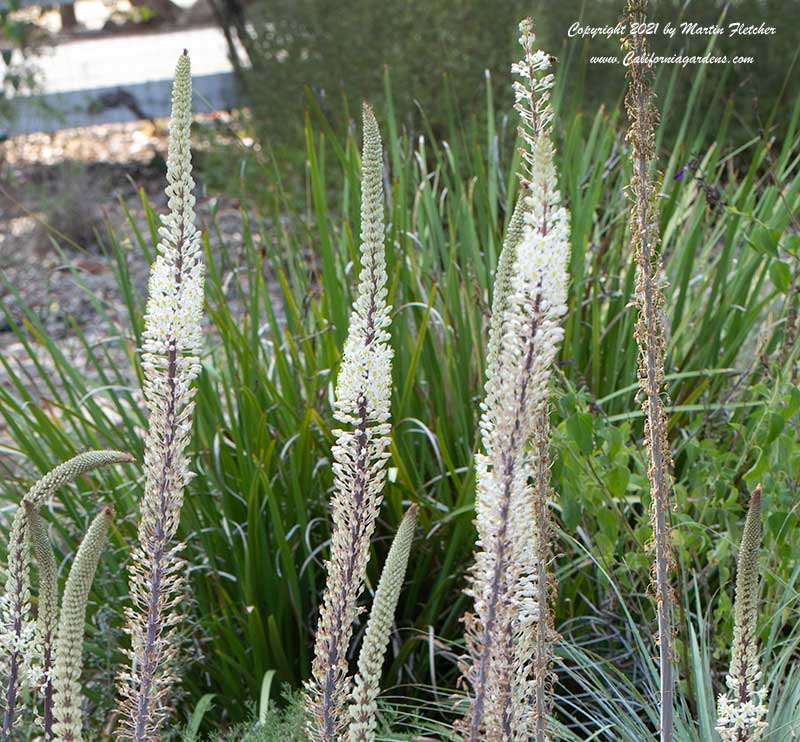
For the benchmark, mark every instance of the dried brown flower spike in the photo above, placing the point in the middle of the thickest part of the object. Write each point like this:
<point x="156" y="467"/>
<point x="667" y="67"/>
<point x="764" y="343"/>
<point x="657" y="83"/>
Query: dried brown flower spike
<point x="650" y="336"/>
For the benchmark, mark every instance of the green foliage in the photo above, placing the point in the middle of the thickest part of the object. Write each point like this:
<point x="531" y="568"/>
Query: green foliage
<point x="599" y="660"/>
<point x="436" y="53"/>
<point x="18" y="75"/>
<point x="279" y="724"/>
<point x="755" y="92"/>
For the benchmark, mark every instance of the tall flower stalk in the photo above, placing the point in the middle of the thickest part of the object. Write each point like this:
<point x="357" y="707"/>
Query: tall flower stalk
<point x="69" y="639"/>
<point x="363" y="392"/>
<point x="47" y="617"/>
<point x="379" y="626"/>
<point x="18" y="630"/>
<point x="650" y="336"/>
<point x="741" y="713"/>
<point x="545" y="635"/>
<point x="531" y="296"/>
<point x="172" y="343"/>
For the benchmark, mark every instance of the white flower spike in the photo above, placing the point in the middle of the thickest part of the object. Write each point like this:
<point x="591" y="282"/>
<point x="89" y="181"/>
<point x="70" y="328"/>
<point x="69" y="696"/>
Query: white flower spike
<point x="18" y="631"/>
<point x="172" y="343"/>
<point x="505" y="580"/>
<point x="363" y="394"/>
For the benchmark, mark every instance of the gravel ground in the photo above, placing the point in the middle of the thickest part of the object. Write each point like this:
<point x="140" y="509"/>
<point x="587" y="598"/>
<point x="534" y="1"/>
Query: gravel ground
<point x="74" y="181"/>
<point x="61" y="188"/>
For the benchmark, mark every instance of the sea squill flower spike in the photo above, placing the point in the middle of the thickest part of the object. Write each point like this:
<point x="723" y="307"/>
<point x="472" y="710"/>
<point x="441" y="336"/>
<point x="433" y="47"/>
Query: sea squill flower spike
<point x="363" y="393"/>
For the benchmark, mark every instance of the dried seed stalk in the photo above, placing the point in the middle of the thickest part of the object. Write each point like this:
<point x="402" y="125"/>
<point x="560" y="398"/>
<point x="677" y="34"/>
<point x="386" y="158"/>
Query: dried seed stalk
<point x="650" y="336"/>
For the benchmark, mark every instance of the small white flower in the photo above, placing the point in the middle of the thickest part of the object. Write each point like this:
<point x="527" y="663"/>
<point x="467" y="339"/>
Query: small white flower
<point x="748" y="717"/>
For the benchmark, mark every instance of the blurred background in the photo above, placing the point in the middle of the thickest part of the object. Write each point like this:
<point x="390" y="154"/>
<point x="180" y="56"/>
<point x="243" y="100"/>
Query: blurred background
<point x="68" y="70"/>
<point x="86" y="86"/>
<point x="259" y="64"/>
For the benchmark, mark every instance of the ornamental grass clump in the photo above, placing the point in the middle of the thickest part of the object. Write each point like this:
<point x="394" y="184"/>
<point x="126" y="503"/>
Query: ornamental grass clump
<point x="27" y="652"/>
<point x="530" y="300"/>
<point x="741" y="712"/>
<point x="363" y="392"/>
<point x="650" y="337"/>
<point x="172" y="343"/>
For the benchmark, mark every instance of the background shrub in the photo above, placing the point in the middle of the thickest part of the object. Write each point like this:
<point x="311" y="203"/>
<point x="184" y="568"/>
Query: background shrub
<point x="438" y="52"/>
